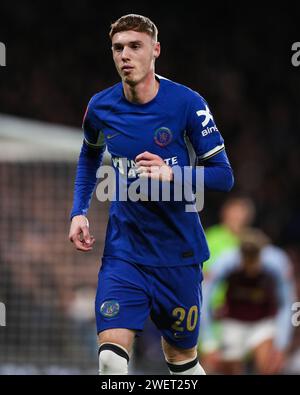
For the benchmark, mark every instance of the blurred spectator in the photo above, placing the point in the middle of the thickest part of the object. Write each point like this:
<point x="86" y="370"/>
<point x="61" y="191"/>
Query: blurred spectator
<point x="256" y="316"/>
<point x="235" y="214"/>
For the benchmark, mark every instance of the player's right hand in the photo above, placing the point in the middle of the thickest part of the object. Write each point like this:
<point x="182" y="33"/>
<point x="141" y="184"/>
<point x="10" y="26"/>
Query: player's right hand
<point x="80" y="234"/>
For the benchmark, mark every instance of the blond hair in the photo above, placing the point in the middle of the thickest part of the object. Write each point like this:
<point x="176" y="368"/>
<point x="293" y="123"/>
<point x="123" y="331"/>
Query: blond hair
<point x="138" y="23"/>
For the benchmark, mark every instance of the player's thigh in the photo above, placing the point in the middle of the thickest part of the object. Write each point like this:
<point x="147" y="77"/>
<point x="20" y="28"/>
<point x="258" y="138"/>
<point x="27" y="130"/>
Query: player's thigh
<point x="231" y="367"/>
<point x="262" y="356"/>
<point x="122" y="304"/>
<point x="175" y="354"/>
<point x="233" y="336"/>
<point x="176" y="307"/>
<point x="261" y="331"/>
<point x="120" y="336"/>
<point x="233" y="340"/>
<point x="260" y="342"/>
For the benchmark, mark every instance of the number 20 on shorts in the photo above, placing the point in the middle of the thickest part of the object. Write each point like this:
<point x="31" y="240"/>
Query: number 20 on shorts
<point x="191" y="320"/>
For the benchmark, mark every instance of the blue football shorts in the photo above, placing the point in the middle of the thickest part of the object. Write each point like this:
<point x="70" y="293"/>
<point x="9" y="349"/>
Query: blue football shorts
<point x="127" y="293"/>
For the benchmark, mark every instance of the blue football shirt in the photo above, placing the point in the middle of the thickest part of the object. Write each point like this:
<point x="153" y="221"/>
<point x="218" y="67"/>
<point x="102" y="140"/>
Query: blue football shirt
<point x="155" y="233"/>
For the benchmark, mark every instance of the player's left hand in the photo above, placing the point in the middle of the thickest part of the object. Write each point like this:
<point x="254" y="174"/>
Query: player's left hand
<point x="153" y="166"/>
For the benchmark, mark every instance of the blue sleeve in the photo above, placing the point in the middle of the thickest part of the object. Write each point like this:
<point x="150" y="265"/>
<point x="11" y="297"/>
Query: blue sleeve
<point x="286" y="297"/>
<point x="278" y="263"/>
<point x="208" y="145"/>
<point x="90" y="159"/>
<point x="218" y="173"/>
<point x="201" y="129"/>
<point x="283" y="319"/>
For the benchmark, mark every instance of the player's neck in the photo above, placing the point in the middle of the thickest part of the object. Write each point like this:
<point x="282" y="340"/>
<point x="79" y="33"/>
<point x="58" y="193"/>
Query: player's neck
<point x="233" y="228"/>
<point x="143" y="92"/>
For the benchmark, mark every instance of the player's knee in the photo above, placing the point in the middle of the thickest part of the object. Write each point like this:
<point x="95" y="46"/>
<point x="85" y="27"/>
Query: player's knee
<point x="182" y="361"/>
<point x="262" y="367"/>
<point x="120" y="336"/>
<point x="188" y="366"/>
<point x="182" y="355"/>
<point x="174" y="354"/>
<point x="113" y="359"/>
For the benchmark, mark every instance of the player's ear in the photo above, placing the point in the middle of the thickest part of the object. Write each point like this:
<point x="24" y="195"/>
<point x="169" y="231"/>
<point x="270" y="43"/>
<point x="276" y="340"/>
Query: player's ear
<point x="156" y="50"/>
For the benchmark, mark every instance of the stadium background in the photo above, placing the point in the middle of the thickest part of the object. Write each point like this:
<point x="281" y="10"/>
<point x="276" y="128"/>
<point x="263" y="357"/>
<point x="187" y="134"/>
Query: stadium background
<point x="58" y="56"/>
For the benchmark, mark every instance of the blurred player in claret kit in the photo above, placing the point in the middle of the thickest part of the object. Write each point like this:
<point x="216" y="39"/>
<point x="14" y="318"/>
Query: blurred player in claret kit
<point x="256" y="315"/>
<point x="237" y="213"/>
<point x="154" y="250"/>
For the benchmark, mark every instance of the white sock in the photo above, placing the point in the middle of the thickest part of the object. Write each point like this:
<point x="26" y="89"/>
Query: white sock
<point x="190" y="366"/>
<point x="113" y="359"/>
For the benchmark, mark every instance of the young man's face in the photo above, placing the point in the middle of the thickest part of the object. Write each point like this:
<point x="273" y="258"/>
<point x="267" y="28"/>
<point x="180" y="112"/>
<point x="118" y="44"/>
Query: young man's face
<point x="134" y="54"/>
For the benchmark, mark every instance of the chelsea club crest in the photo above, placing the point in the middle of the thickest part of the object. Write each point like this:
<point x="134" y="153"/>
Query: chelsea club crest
<point x="163" y="136"/>
<point x="110" y="308"/>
